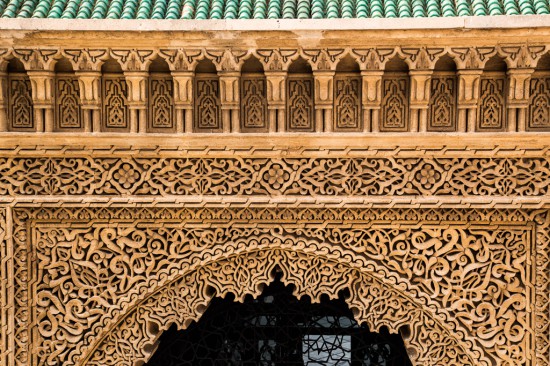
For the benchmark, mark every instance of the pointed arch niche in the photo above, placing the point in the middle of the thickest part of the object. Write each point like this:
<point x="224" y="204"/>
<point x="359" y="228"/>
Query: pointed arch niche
<point x="207" y="98"/>
<point x="492" y="110"/>
<point x="395" y="97"/>
<point x="161" y="98"/>
<point x="442" y="110"/>
<point x="115" y="116"/>
<point x="300" y="106"/>
<point x="68" y="111"/>
<point x="254" y="97"/>
<point x="539" y="93"/>
<point x="347" y="96"/>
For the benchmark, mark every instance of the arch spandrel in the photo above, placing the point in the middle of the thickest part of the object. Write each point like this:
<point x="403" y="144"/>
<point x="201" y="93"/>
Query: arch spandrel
<point x="133" y="341"/>
<point x="390" y="270"/>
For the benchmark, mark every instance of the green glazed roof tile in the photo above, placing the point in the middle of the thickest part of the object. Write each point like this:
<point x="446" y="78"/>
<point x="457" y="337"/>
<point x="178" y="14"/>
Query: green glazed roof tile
<point x="265" y="9"/>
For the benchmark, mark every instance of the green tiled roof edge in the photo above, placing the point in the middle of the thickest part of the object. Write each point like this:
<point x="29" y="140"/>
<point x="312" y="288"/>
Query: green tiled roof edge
<point x="266" y="9"/>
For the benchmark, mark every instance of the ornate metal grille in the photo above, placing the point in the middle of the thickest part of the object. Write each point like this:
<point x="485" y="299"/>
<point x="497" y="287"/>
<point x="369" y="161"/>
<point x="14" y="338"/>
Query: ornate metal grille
<point x="278" y="329"/>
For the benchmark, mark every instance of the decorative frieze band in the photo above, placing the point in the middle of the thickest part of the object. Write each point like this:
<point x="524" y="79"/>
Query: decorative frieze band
<point x="445" y="89"/>
<point x="528" y="177"/>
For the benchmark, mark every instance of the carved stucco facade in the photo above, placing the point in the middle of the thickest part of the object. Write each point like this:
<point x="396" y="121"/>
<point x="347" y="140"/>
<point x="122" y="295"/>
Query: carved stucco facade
<point x="438" y="230"/>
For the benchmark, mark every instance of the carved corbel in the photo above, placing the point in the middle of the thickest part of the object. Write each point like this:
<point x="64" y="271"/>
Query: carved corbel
<point x="420" y="99"/>
<point x="468" y="95"/>
<point x="324" y="99"/>
<point x="518" y="98"/>
<point x="371" y="98"/>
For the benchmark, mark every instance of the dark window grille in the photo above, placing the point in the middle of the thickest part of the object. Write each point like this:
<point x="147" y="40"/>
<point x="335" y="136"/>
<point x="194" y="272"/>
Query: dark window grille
<point x="278" y="329"/>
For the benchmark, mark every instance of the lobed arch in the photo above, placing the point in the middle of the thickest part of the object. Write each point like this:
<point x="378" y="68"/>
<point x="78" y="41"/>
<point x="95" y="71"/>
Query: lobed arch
<point x="377" y="297"/>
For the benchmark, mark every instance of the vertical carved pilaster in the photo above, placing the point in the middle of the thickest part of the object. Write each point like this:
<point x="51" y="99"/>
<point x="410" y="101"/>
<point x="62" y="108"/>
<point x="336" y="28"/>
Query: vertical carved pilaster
<point x="183" y="100"/>
<point x="468" y="96"/>
<point x="518" y="98"/>
<point x="42" y="86"/>
<point x="3" y="101"/>
<point x="90" y="99"/>
<point x="324" y="100"/>
<point x="6" y="293"/>
<point x="136" y="82"/>
<point x="372" y="99"/>
<point x="276" y="100"/>
<point x="419" y="100"/>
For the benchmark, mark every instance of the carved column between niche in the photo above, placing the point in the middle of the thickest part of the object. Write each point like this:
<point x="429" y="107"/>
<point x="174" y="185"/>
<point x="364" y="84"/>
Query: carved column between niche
<point x="468" y="96"/>
<point x="43" y="100"/>
<point x="90" y="99"/>
<point x="229" y="98"/>
<point x="276" y="100"/>
<point x="324" y="100"/>
<point x="420" y="99"/>
<point x="183" y="100"/>
<point x="518" y="98"/>
<point x="372" y="99"/>
<point x="137" y="99"/>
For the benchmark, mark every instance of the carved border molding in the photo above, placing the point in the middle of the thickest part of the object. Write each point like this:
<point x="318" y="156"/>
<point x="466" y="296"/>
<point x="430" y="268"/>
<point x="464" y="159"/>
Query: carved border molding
<point x="243" y="176"/>
<point x="379" y="247"/>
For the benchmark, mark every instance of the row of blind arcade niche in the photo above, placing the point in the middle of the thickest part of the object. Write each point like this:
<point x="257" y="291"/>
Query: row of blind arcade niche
<point x="299" y="115"/>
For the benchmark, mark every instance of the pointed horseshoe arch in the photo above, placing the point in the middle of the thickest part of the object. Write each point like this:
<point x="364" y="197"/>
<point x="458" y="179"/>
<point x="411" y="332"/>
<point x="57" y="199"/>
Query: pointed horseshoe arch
<point x="377" y="298"/>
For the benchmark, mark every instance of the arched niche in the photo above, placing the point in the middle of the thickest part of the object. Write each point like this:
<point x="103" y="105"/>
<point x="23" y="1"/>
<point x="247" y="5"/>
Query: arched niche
<point x="395" y="97"/>
<point x="276" y="328"/>
<point x="115" y="112"/>
<point x="160" y="98"/>
<point x="347" y="113"/>
<point x="442" y="110"/>
<point x="68" y="110"/>
<point x="20" y="104"/>
<point x="300" y="97"/>
<point x="538" y="118"/>
<point x="253" y="99"/>
<point x="376" y="298"/>
<point x="207" y="101"/>
<point x="492" y="110"/>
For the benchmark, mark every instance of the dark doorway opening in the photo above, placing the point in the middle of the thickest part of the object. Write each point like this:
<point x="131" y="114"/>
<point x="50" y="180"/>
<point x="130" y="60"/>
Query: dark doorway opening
<point x="278" y="329"/>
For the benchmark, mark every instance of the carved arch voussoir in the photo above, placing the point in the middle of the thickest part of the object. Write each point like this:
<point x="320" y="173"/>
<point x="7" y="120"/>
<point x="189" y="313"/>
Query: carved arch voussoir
<point x="429" y="342"/>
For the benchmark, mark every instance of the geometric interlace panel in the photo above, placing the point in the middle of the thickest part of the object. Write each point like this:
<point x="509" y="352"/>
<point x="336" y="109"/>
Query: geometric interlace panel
<point x="278" y="329"/>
